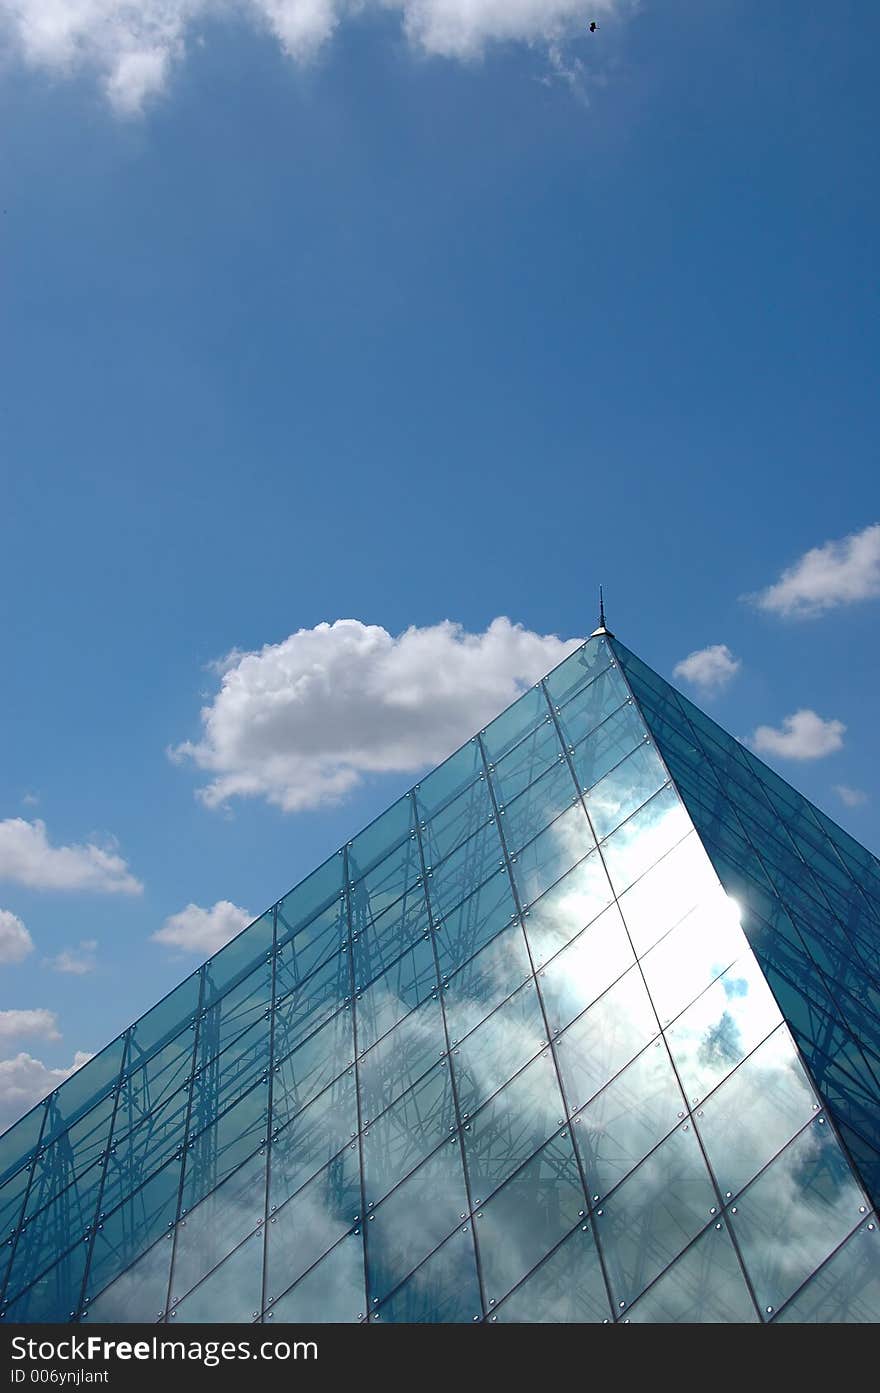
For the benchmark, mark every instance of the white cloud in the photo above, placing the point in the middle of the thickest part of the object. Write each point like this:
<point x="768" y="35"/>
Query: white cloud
<point x="16" y="1024"/>
<point x="300" y="722"/>
<point x="710" y="669"/>
<point x="15" y="941"/>
<point x="132" y="48"/>
<point x="197" y="930"/>
<point x="25" y="1080"/>
<point x="803" y="736"/>
<point x="75" y="962"/>
<point x="852" y="797"/>
<point x="837" y="573"/>
<point x="27" y="858"/>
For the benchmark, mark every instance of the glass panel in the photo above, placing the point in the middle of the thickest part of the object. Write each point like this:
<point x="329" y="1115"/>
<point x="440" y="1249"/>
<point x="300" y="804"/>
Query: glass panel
<point x="403" y="1056"/>
<point x="552" y="853"/>
<point x="132" y="1228"/>
<point x="449" y="779"/>
<point x="537" y="806"/>
<point x="65" y="1217"/>
<point x="210" y="1231"/>
<point x="167" y="1018"/>
<point x="581" y="972"/>
<point x="644" y="838"/>
<point x="486" y="980"/>
<point x="241" y="955"/>
<point x="604" y="748"/>
<point x="374" y="843"/>
<point x="138" y="1294"/>
<point x="507" y="1040"/>
<point x="573" y="903"/>
<point x="698" y="950"/>
<point x="579" y="716"/>
<point x="231" y="1293"/>
<point x="226" y="1017"/>
<point x="405" y="984"/>
<point x="511" y="1128"/>
<point x="510" y="727"/>
<point x="312" y="1138"/>
<point x="526" y="762"/>
<point x="384" y="885"/>
<point x="332" y="1292"/>
<point x="605" y="1038"/>
<point x="312" y="897"/>
<point x="301" y="1231"/>
<point x="625" y="788"/>
<point x="55" y="1295"/>
<point x="722" y="1027"/>
<point x="628" y="1118"/>
<point x="704" y="1286"/>
<point x="568" y="1286"/>
<point x="411" y="1128"/>
<point x="300" y="954"/>
<point x="457" y="822"/>
<point x="795" y="1214"/>
<point x="477" y="920"/>
<point x="654" y="1214"/>
<point x="471" y="864"/>
<point x="756" y="1111"/>
<point x="83" y="1089"/>
<point x="529" y="1216"/>
<point x="302" y="1010"/>
<point x="847" y="1288"/>
<point x="220" y="1149"/>
<point x="378" y="945"/>
<point x="311" y="1067"/>
<point x="577" y="670"/>
<point x="415" y="1218"/>
<point x="444" y="1289"/>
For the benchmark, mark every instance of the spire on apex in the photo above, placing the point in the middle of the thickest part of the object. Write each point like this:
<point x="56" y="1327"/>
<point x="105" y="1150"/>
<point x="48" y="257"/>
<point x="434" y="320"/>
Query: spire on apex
<point x="602" y="629"/>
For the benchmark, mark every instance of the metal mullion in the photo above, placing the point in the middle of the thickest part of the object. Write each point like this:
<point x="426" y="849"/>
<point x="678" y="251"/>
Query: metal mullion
<point x="549" y="1034"/>
<point x="448" y="1056"/>
<point x="126" y="1052"/>
<point x="866" y="1219"/>
<point x="349" y="948"/>
<point x="197" y="1025"/>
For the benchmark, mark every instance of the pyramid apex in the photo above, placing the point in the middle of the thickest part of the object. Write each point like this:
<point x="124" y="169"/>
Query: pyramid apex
<point x="601" y="628"/>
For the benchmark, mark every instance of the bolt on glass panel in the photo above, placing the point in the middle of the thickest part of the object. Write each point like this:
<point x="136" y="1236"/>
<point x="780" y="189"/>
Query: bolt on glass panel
<point x="571" y="905"/>
<point x="401" y="1057"/>
<point x="647" y="1221"/>
<point x="537" y="806"/>
<point x="209" y="1232"/>
<point x="402" y="1136"/>
<point x="444" y="1289"/>
<point x="232" y="1292"/>
<point x="605" y="1038"/>
<point x="313" y="1136"/>
<point x="526" y="762"/>
<point x="793" y="1216"/>
<point x="139" y="1293"/>
<point x="513" y="724"/>
<point x="331" y="1292"/>
<point x="506" y="1040"/>
<point x="553" y="852"/>
<point x="646" y="836"/>
<point x="301" y="1231"/>
<point x="567" y="1286"/>
<point x="414" y="1220"/>
<point x="846" y="1288"/>
<point x="577" y="670"/>
<point x="704" y="1286"/>
<point x="512" y="1126"/>
<point x="485" y="980"/>
<point x="133" y="1227"/>
<point x="579" y="716"/>
<point x="404" y="984"/>
<point x="598" y="753"/>
<point x="456" y="822"/>
<point x="474" y="922"/>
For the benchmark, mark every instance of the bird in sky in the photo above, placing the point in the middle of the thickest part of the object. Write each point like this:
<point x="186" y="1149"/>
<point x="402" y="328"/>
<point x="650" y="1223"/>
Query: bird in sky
<point x="593" y="27"/>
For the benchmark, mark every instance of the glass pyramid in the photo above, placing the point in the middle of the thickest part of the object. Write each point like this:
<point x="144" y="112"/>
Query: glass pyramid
<point x="586" y="1027"/>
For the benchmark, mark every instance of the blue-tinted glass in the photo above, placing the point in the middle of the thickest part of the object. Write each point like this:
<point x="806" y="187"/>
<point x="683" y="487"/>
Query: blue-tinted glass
<point x="307" y="1226"/>
<point x="214" y="1153"/>
<point x="605" y="747"/>
<point x="519" y="1225"/>
<point x="133" y="1227"/>
<point x="756" y="1111"/>
<point x="167" y="1019"/>
<point x="240" y="956"/>
<point x="312" y="1137"/>
<point x="514" y="723"/>
<point x="444" y="1289"/>
<point x="847" y="1288"/>
<point x="401" y="1137"/>
<point x="390" y="829"/>
<point x="646" y="836"/>
<point x="206" y="1234"/>
<point x="538" y="805"/>
<point x="300" y="1010"/>
<point x="301" y="954"/>
<point x="485" y="980"/>
<point x="704" y="1286"/>
<point x="722" y="1026"/>
<point x="573" y="903"/>
<point x="311" y="898"/>
<point x="512" y="1126"/>
<point x="456" y="822"/>
<point x="553" y="852"/>
<point x="796" y="1213"/>
<point x="232" y="1292"/>
<point x="469" y="865"/>
<point x="605" y="1038"/>
<point x="54" y="1296"/>
<point x="525" y="763"/>
<point x="400" y="1058"/>
<point x="300" y="1076"/>
<point x="584" y="969"/>
<point x="628" y="1118"/>
<point x="628" y="785"/>
<point x="378" y="944"/>
<point x="386" y="882"/>
<point x="414" y="1219"/>
<point x="506" y="1040"/>
<point x="333" y="1291"/>
<point x="139" y="1293"/>
<point x="448" y="780"/>
<point x="83" y="1089"/>
<point x="654" y="1213"/>
<point x="475" y="922"/>
<point x="577" y="670"/>
<point x="567" y="1286"/>
<point x="591" y="706"/>
<point x="400" y="988"/>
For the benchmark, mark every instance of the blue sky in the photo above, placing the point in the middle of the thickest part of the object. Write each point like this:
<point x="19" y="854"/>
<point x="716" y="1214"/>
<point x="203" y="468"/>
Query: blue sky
<point x="416" y="321"/>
